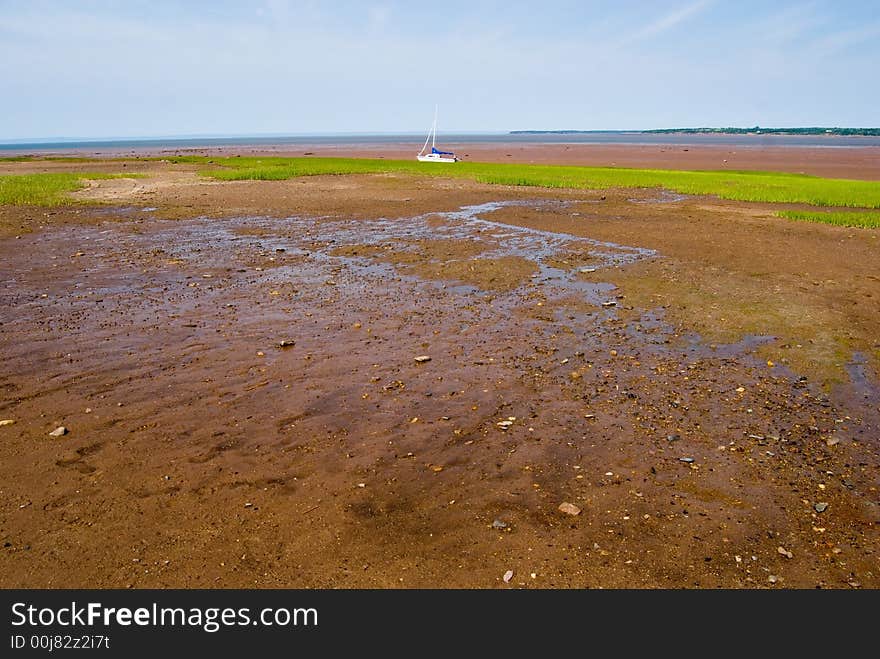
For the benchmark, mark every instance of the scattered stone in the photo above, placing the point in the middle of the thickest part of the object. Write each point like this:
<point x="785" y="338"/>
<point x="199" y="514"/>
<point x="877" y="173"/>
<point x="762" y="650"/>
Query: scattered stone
<point x="248" y="505"/>
<point x="589" y="416"/>
<point x="437" y="468"/>
<point x="58" y="432"/>
<point x="504" y="425"/>
<point x="688" y="460"/>
<point x="286" y="343"/>
<point x="587" y="270"/>
<point x="832" y="441"/>
<point x="498" y="524"/>
<point x="613" y="353"/>
<point x="421" y="359"/>
<point x="569" y="508"/>
<point x="673" y="438"/>
<point x="784" y="552"/>
<point x="820" y="507"/>
<point x="508" y="576"/>
<point x="610" y="303"/>
<point x="772" y="578"/>
<point x="7" y="422"/>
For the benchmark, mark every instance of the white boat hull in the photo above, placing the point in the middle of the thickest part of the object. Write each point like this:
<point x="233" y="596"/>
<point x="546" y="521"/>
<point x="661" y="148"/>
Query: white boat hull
<point x="433" y="157"/>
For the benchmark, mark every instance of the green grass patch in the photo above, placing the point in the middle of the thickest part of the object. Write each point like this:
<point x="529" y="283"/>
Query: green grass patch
<point x="50" y="189"/>
<point x="866" y="220"/>
<point x="770" y="187"/>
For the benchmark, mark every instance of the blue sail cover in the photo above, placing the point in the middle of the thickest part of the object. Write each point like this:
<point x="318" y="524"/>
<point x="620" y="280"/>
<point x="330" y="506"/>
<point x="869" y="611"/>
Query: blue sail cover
<point x="434" y="149"/>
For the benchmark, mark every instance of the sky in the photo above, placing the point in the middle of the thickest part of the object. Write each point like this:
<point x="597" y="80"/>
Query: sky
<point x="140" y="68"/>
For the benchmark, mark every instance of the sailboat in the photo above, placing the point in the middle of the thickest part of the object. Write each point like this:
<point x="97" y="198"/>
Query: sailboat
<point x="436" y="154"/>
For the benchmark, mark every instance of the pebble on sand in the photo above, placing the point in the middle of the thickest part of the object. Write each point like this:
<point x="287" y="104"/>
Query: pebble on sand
<point x="784" y="552"/>
<point x="60" y="430"/>
<point x="286" y="343"/>
<point x="421" y="359"/>
<point x="569" y="508"/>
<point x="820" y="507"/>
<point x="7" y="422"/>
<point x="508" y="576"/>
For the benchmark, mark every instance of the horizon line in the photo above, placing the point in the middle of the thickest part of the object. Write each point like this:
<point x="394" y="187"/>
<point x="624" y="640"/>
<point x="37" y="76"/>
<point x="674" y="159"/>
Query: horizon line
<point x="8" y="141"/>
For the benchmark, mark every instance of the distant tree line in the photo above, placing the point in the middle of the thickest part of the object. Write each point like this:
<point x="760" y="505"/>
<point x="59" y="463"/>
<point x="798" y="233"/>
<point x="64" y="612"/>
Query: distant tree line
<point x="808" y="130"/>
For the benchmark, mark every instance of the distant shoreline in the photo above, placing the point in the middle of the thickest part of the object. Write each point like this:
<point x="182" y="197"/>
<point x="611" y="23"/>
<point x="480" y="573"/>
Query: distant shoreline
<point x="757" y="130"/>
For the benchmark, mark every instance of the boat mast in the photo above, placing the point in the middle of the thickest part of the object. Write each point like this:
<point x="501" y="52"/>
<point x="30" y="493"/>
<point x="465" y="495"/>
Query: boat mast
<point x="434" y="129"/>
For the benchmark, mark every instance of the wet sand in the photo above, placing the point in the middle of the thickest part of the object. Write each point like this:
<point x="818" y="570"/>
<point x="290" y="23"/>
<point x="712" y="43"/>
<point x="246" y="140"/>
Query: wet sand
<point x="697" y="377"/>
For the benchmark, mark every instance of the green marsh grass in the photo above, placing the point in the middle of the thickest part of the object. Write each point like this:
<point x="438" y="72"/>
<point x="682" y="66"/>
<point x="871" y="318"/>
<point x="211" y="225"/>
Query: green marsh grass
<point x="866" y="220"/>
<point x="770" y="187"/>
<point x="44" y="189"/>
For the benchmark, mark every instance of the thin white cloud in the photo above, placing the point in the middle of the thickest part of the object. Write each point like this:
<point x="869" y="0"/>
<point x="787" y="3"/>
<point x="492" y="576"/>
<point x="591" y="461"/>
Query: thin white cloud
<point x="668" y="21"/>
<point x="844" y="39"/>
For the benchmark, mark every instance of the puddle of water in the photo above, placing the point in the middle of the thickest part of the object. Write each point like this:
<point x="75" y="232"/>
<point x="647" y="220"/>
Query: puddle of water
<point x="662" y="197"/>
<point x="859" y="371"/>
<point x="314" y="239"/>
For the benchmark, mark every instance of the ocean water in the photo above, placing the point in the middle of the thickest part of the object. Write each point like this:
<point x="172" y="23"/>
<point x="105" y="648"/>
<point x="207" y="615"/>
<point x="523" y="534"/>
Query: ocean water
<point x="606" y="138"/>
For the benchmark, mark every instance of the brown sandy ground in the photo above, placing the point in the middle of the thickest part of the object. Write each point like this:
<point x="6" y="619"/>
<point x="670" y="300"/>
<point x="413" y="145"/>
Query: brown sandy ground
<point x="700" y="414"/>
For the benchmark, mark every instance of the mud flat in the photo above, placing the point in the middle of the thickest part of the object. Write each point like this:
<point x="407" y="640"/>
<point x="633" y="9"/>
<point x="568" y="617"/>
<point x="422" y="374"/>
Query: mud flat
<point x="236" y="367"/>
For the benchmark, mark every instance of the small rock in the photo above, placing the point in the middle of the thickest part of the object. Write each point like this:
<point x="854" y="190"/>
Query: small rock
<point x="587" y="270"/>
<point x="688" y="460"/>
<point x="60" y="430"/>
<point x="498" y="524"/>
<point x="772" y="578"/>
<point x="569" y="508"/>
<point x="610" y="303"/>
<point x="286" y="343"/>
<point x="820" y="507"/>
<point x="832" y="441"/>
<point x="421" y="359"/>
<point x="7" y="422"/>
<point x="784" y="552"/>
<point x="673" y="438"/>
<point x="504" y="425"/>
<point x="508" y="576"/>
